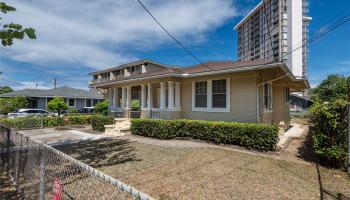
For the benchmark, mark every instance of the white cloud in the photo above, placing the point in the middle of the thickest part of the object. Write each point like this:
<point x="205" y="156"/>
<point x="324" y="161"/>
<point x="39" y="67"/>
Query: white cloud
<point x="100" y="34"/>
<point x="345" y="62"/>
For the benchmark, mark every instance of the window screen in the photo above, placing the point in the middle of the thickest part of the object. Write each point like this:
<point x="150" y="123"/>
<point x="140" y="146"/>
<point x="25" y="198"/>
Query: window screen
<point x="201" y="94"/>
<point x="219" y="93"/>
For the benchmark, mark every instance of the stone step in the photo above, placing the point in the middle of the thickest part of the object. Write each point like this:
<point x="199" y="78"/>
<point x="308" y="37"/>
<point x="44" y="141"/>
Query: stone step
<point x="120" y="128"/>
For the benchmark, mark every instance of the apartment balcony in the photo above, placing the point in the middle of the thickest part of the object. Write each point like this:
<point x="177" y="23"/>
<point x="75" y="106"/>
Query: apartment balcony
<point x="115" y="78"/>
<point x="100" y="80"/>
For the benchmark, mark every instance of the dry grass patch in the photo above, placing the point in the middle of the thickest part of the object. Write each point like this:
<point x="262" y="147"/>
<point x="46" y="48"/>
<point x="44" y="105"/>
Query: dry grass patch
<point x="209" y="173"/>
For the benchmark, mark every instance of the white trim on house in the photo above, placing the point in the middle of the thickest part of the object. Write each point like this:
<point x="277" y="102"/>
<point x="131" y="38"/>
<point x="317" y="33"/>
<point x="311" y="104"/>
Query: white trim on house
<point x="91" y="100"/>
<point x="267" y="110"/>
<point x="209" y="107"/>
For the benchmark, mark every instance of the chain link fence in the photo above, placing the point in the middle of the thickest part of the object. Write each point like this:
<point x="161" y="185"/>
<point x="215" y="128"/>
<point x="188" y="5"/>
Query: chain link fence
<point x="42" y="172"/>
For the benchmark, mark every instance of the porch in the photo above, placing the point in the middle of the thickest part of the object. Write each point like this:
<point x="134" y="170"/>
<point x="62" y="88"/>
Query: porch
<point x="158" y="100"/>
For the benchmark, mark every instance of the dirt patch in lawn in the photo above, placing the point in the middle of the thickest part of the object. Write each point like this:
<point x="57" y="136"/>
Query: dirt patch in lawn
<point x="209" y="173"/>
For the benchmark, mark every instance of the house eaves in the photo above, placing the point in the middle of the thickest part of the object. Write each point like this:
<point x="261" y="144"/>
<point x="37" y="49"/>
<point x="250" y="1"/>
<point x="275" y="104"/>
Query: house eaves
<point x="207" y="73"/>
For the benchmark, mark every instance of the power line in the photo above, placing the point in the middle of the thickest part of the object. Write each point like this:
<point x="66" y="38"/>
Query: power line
<point x="331" y="28"/>
<point x="323" y="33"/>
<point x="177" y="41"/>
<point x="11" y="81"/>
<point x="326" y="25"/>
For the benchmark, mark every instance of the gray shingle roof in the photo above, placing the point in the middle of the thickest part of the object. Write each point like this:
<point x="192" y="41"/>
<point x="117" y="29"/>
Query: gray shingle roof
<point x="60" y="91"/>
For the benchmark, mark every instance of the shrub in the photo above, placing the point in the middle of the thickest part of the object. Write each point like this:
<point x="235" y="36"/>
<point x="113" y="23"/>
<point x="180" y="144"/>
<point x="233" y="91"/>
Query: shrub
<point x="31" y="122"/>
<point x="72" y="110"/>
<point x="252" y="136"/>
<point x="57" y="104"/>
<point x="99" y="121"/>
<point x="135" y="104"/>
<point x="78" y="119"/>
<point x="53" y="121"/>
<point x="101" y="108"/>
<point x="11" y="104"/>
<point x="330" y="132"/>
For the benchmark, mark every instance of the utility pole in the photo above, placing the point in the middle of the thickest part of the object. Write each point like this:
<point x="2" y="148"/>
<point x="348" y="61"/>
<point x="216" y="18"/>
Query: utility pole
<point x="54" y="82"/>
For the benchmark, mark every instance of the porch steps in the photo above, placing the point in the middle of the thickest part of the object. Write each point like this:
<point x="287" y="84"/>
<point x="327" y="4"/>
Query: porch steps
<point x="120" y="128"/>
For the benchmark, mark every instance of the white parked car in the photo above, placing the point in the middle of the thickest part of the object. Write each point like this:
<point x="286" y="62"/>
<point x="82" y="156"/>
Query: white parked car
<point x="28" y="112"/>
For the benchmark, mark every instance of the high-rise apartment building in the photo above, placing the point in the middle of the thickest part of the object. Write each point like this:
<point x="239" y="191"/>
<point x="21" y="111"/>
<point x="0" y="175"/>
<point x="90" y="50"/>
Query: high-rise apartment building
<point x="275" y="30"/>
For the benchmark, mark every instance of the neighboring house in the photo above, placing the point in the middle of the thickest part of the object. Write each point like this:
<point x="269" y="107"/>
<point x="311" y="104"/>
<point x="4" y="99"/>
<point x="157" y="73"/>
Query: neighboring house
<point x="81" y="100"/>
<point x="299" y="103"/>
<point x="254" y="91"/>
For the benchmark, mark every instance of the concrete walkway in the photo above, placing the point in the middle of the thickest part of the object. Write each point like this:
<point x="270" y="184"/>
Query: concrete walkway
<point x="296" y="131"/>
<point x="52" y="136"/>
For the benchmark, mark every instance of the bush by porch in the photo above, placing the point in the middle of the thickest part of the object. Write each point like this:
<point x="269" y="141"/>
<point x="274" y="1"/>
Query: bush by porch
<point x="253" y="136"/>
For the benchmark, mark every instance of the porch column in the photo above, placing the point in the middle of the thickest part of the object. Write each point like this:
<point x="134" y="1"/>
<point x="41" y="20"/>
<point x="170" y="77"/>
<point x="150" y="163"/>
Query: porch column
<point x="110" y="102"/>
<point x="170" y="95"/>
<point x="162" y="96"/>
<point x="114" y="97"/>
<point x="143" y="96"/>
<point x="149" y="96"/>
<point x="177" y="95"/>
<point x="128" y="96"/>
<point x="123" y="97"/>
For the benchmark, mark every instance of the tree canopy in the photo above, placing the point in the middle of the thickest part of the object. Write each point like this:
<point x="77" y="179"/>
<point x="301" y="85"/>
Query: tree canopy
<point x="332" y="88"/>
<point x="5" y="89"/>
<point x="11" y="104"/>
<point x="57" y="104"/>
<point x="9" y="32"/>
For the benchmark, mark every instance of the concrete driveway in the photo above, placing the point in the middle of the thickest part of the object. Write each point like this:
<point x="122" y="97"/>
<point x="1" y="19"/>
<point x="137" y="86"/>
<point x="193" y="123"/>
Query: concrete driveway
<point x="52" y="137"/>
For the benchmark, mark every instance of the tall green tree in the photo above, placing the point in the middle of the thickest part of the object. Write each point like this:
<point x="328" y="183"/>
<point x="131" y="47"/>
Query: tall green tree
<point x="332" y="88"/>
<point x="57" y="104"/>
<point x="11" y="104"/>
<point x="9" y="32"/>
<point x="5" y="89"/>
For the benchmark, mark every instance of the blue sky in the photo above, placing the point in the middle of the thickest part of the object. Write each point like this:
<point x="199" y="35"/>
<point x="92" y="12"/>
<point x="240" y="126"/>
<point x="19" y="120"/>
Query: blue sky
<point x="75" y="37"/>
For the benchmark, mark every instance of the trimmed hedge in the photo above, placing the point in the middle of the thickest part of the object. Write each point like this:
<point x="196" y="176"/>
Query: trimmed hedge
<point x="99" y="121"/>
<point x="78" y="119"/>
<point x="31" y="122"/>
<point x="250" y="135"/>
<point x="39" y="122"/>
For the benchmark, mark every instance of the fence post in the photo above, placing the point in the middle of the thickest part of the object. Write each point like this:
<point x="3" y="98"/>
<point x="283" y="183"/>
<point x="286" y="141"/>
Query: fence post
<point x="42" y="121"/>
<point x="42" y="174"/>
<point x="8" y="143"/>
<point x="17" y="160"/>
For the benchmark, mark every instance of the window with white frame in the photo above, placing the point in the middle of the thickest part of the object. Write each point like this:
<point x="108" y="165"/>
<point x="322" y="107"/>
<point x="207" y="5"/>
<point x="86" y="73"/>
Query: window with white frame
<point x="201" y="94"/>
<point x="267" y="96"/>
<point x="287" y="95"/>
<point x="88" y="103"/>
<point x="211" y="95"/>
<point x="71" y="102"/>
<point x="219" y="93"/>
